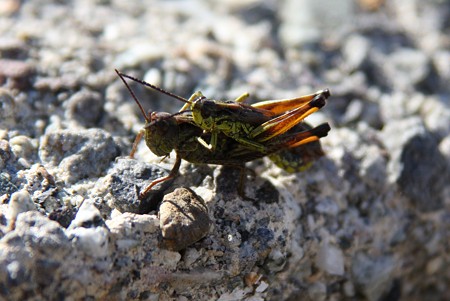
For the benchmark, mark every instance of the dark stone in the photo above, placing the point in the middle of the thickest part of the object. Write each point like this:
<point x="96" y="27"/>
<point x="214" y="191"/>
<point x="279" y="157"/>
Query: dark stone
<point x="129" y="177"/>
<point x="86" y="107"/>
<point x="63" y="216"/>
<point x="267" y="193"/>
<point x="425" y="173"/>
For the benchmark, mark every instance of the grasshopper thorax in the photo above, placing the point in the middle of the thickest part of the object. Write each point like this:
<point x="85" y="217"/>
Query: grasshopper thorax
<point x="204" y="112"/>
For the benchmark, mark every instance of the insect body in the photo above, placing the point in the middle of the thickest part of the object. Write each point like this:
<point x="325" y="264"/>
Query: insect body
<point x="274" y="126"/>
<point x="251" y="125"/>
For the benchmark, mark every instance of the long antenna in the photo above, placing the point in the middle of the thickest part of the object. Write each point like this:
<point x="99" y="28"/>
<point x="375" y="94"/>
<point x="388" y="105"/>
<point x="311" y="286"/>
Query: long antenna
<point x="147" y="118"/>
<point x="153" y="87"/>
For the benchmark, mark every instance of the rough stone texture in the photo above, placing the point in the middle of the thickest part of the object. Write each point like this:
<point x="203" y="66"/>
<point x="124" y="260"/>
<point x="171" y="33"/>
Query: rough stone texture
<point x="370" y="221"/>
<point x="127" y="178"/>
<point x="420" y="169"/>
<point x="78" y="155"/>
<point x="184" y="219"/>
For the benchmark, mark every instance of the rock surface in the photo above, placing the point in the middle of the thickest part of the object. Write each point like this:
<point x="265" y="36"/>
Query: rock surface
<point x="369" y="221"/>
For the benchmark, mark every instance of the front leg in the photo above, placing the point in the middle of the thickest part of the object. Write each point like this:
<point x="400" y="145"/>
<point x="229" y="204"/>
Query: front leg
<point x="136" y="142"/>
<point x="212" y="144"/>
<point x="243" y="97"/>
<point x="172" y="174"/>
<point x="242" y="180"/>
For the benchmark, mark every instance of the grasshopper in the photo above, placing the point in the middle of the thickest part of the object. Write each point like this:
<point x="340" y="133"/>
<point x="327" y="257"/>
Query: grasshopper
<point x="275" y="128"/>
<point x="250" y="125"/>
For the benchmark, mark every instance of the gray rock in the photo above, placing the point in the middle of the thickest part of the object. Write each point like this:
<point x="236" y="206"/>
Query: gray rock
<point x="86" y="107"/>
<point x="355" y="51"/>
<point x="6" y="186"/>
<point x="88" y="216"/>
<point x="436" y="114"/>
<point x="93" y="241"/>
<point x="330" y="259"/>
<point x="8" y="108"/>
<point x="32" y="255"/>
<point x="15" y="68"/>
<point x="317" y="291"/>
<point x="304" y="21"/>
<point x="407" y="67"/>
<point x="417" y="166"/>
<point x="128" y="177"/>
<point x="23" y="147"/>
<point x="78" y="155"/>
<point x="20" y="202"/>
<point x="374" y="275"/>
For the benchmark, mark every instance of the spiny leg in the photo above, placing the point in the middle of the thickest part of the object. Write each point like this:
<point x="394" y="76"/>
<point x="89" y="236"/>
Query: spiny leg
<point x="241" y="184"/>
<point x="241" y="187"/>
<point x="172" y="174"/>
<point x="213" y="142"/>
<point x="136" y="142"/>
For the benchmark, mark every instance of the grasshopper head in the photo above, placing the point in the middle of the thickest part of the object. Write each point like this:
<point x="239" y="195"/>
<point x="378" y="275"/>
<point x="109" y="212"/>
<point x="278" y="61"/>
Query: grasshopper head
<point x="161" y="133"/>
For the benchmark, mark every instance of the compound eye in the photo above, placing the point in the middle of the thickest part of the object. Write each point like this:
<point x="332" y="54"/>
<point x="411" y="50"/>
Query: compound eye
<point x="209" y="108"/>
<point x="152" y="115"/>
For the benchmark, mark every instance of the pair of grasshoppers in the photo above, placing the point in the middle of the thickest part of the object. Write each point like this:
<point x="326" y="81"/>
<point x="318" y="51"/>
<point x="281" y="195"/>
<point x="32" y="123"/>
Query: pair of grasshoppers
<point x="232" y="133"/>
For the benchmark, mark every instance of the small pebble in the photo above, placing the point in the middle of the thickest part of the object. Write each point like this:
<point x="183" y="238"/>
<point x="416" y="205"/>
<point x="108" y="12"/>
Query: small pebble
<point x="7" y="105"/>
<point x="86" y="107"/>
<point x="94" y="241"/>
<point x="88" y="216"/>
<point x="14" y="68"/>
<point x="22" y="146"/>
<point x="184" y="219"/>
<point x="317" y="291"/>
<point x="330" y="259"/>
<point x="20" y="202"/>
